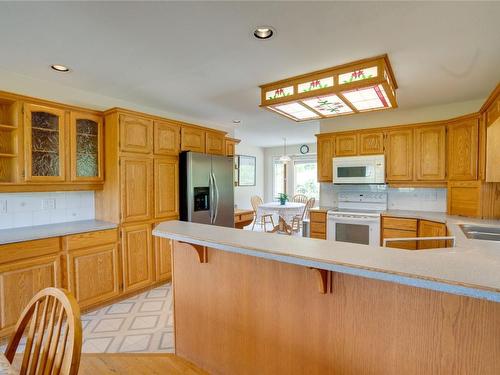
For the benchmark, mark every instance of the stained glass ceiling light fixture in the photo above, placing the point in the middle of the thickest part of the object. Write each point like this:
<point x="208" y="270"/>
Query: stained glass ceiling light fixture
<point x="360" y="86"/>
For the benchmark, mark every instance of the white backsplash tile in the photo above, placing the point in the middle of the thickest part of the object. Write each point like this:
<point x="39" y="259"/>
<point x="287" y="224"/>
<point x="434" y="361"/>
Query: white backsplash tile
<point x="27" y="209"/>
<point x="413" y="199"/>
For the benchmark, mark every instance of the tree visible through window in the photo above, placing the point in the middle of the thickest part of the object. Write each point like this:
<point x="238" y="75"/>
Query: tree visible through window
<point x="305" y="178"/>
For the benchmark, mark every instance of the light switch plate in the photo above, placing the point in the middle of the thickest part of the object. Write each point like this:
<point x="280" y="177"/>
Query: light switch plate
<point x="3" y="206"/>
<point x="49" y="204"/>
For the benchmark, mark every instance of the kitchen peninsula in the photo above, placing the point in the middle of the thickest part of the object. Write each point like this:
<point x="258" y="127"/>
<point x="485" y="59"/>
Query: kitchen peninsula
<point x="248" y="302"/>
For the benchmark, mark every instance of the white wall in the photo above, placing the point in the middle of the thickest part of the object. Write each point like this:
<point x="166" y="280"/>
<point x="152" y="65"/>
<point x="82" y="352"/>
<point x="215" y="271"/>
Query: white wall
<point x="27" y="209"/>
<point x="400" y="116"/>
<point x="269" y="154"/>
<point x="242" y="194"/>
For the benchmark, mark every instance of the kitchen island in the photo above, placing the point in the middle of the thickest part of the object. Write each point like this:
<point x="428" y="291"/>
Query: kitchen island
<point x="248" y="302"/>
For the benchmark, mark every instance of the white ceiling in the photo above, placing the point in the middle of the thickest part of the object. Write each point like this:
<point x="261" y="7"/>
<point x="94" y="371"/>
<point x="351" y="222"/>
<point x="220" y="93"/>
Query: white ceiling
<point x="199" y="59"/>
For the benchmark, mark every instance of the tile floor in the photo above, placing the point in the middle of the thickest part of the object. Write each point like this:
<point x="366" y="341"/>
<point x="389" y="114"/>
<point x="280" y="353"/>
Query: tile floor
<point x="142" y="323"/>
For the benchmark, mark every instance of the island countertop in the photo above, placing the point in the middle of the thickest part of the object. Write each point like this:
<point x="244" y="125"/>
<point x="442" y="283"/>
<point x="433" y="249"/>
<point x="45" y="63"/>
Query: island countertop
<point x="472" y="268"/>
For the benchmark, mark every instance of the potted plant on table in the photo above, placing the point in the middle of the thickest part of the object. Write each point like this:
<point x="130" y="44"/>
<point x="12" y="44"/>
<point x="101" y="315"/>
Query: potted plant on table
<point x="283" y="198"/>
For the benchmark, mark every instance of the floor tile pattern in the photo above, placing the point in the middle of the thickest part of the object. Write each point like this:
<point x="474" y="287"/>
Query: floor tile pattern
<point x="142" y="323"/>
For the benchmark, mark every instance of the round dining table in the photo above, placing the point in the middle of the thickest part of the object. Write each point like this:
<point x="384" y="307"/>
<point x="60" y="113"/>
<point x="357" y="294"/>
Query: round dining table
<point x="285" y="212"/>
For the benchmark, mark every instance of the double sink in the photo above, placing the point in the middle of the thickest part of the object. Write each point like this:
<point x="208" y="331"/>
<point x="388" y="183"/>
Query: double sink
<point x="477" y="232"/>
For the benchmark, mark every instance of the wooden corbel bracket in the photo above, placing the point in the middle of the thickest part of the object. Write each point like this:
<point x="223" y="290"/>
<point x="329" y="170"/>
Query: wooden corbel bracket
<point x="200" y="250"/>
<point x="324" y="279"/>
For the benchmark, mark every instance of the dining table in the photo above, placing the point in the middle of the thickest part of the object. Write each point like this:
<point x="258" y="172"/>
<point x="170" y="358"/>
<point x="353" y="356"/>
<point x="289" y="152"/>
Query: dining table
<point x="286" y="212"/>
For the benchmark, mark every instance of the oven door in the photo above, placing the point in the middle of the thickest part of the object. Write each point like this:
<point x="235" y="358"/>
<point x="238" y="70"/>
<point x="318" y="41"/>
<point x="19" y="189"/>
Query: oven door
<point x="361" y="230"/>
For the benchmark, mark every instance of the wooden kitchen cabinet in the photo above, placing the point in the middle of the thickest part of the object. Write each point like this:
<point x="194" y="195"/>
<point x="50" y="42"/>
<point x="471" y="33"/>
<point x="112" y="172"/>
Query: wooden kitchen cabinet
<point x="346" y="145"/>
<point x="136" y="134"/>
<point x="493" y="152"/>
<point x="465" y="198"/>
<point x="326" y="147"/>
<point x="214" y="143"/>
<point x="166" y="187"/>
<point x="396" y="227"/>
<point x="44" y="143"/>
<point x="192" y="139"/>
<point x="86" y="147"/>
<point x="25" y="268"/>
<point x="163" y="259"/>
<point x="167" y="138"/>
<point x="136" y="188"/>
<point x="137" y="257"/>
<point x="463" y="150"/>
<point x="371" y="143"/>
<point x="430" y="153"/>
<point x="92" y="263"/>
<point x="427" y="228"/>
<point x="230" y="146"/>
<point x="399" y="155"/>
<point x="318" y="224"/>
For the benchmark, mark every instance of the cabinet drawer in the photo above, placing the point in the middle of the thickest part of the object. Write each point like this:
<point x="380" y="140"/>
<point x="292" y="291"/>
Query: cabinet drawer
<point x="400" y="223"/>
<point x="28" y="249"/>
<point x="396" y="233"/>
<point x="318" y="217"/>
<point x="245" y="217"/>
<point x="318" y="227"/>
<point x="90" y="239"/>
<point x="321" y="236"/>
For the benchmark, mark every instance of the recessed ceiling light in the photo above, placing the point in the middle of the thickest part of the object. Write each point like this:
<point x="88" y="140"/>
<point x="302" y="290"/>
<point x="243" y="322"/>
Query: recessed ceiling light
<point x="264" y="32"/>
<point x="60" y="68"/>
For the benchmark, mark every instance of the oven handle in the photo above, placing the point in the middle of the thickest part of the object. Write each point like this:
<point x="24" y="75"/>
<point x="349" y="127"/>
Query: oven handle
<point x="361" y="219"/>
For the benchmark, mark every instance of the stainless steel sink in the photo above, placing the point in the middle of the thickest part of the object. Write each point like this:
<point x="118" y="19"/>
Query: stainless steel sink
<point x="477" y="232"/>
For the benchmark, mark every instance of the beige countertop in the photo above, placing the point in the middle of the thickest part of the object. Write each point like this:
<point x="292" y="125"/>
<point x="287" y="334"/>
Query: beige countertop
<point x="471" y="268"/>
<point x="52" y="230"/>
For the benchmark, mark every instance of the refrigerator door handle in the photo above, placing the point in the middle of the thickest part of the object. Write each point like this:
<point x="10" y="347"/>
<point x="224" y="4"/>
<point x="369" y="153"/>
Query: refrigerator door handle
<point x="216" y="209"/>
<point x="211" y="197"/>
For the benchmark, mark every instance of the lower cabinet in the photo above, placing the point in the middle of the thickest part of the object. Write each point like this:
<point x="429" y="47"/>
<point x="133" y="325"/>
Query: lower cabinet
<point x="20" y="281"/>
<point x="137" y="257"/>
<point x="93" y="274"/>
<point x="317" y="224"/>
<point x="397" y="227"/>
<point x="163" y="259"/>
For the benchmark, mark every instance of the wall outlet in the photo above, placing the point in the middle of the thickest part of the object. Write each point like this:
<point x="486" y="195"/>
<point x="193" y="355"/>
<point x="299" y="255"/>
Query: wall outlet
<point x="49" y="204"/>
<point x="3" y="206"/>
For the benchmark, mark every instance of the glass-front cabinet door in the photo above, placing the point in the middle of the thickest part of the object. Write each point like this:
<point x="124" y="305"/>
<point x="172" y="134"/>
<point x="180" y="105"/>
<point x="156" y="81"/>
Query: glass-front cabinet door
<point x="86" y="147"/>
<point x="44" y="143"/>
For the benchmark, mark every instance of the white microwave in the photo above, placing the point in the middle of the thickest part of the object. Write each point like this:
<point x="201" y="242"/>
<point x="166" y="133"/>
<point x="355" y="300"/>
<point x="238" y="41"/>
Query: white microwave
<point x="368" y="169"/>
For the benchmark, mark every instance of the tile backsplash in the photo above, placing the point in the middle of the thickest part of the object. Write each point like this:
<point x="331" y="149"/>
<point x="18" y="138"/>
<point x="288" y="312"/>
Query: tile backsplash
<point x="413" y="199"/>
<point x="27" y="209"/>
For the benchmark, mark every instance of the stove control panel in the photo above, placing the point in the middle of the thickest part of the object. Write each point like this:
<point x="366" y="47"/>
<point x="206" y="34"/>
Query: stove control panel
<point x="363" y="197"/>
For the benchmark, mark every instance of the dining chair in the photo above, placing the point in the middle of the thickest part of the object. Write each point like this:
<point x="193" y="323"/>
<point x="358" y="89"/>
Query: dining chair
<point x="299" y="219"/>
<point x="262" y="219"/>
<point x="54" y="339"/>
<point x="299" y="198"/>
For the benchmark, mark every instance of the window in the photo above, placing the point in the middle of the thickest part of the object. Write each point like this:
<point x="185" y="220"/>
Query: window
<point x="305" y="177"/>
<point x="279" y="177"/>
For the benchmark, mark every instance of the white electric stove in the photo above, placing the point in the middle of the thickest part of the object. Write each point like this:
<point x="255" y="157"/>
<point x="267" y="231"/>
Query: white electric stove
<point x="357" y="218"/>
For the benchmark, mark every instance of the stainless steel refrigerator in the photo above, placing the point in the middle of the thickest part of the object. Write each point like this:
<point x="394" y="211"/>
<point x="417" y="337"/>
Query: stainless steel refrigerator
<point x="206" y="189"/>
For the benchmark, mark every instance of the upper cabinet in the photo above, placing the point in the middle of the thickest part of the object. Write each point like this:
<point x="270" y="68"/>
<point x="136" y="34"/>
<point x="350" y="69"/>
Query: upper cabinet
<point x="136" y="134"/>
<point x="86" y="145"/>
<point x="430" y="153"/>
<point x="230" y="146"/>
<point x="192" y="139"/>
<point x="326" y="145"/>
<point x="214" y="143"/>
<point x="166" y="187"/>
<point x="463" y="150"/>
<point x="167" y="138"/>
<point x="399" y="157"/>
<point x="9" y="141"/>
<point x="346" y="144"/>
<point x="136" y="188"/>
<point x="371" y="143"/>
<point x="44" y="142"/>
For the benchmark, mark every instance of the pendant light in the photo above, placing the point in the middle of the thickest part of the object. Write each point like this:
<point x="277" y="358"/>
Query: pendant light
<point x="284" y="158"/>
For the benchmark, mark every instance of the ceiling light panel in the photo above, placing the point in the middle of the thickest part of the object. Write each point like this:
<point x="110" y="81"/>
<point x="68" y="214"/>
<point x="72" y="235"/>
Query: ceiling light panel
<point x="359" y="86"/>
<point x="328" y="105"/>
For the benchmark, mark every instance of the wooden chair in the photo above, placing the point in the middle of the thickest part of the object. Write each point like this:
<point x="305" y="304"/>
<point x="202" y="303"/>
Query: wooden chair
<point x="54" y="340"/>
<point x="262" y="220"/>
<point x="299" y="219"/>
<point x="299" y="198"/>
